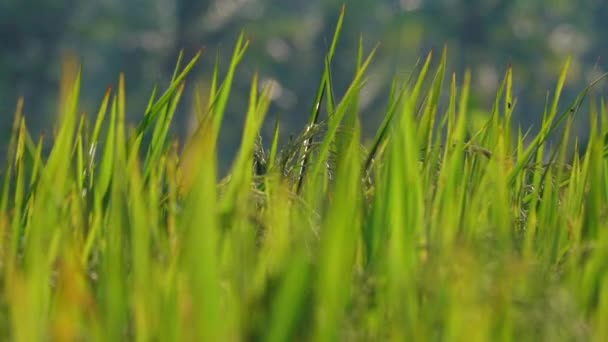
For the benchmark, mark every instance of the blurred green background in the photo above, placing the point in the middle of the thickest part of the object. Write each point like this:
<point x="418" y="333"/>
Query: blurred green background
<point x="288" y="42"/>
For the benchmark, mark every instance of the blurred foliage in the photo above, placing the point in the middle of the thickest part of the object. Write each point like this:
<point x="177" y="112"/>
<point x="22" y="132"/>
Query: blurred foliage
<point x="288" y="40"/>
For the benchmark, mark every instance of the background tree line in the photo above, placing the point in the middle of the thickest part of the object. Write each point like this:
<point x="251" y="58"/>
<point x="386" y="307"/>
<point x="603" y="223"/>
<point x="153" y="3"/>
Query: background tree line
<point x="288" y="42"/>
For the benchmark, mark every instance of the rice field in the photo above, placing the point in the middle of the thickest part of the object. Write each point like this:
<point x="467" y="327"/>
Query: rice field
<point x="436" y="230"/>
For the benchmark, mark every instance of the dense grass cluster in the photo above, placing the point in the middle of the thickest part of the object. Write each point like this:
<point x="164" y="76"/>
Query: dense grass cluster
<point x="435" y="231"/>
